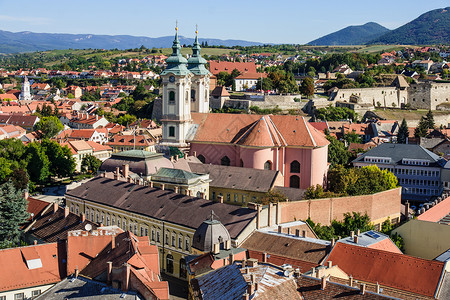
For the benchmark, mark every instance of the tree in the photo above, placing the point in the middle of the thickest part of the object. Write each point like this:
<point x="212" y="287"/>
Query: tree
<point x="352" y="137"/>
<point x="272" y="197"/>
<point x="267" y="84"/>
<point x="90" y="164"/>
<point x="50" y="126"/>
<point x="337" y="152"/>
<point x="352" y="222"/>
<point x="38" y="163"/>
<point x="70" y="96"/>
<point x="5" y="168"/>
<point x="307" y="87"/>
<point x="13" y="212"/>
<point x="61" y="161"/>
<point x="430" y="120"/>
<point x="403" y="133"/>
<point x="422" y="129"/>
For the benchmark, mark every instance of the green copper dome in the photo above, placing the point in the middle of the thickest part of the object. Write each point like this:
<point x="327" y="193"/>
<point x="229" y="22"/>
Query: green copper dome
<point x="196" y="63"/>
<point x="176" y="63"/>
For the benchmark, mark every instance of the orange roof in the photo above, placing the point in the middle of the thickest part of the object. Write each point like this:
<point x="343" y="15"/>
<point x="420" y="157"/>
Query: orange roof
<point x="252" y="75"/>
<point x="437" y="212"/>
<point x="98" y="147"/>
<point x="8" y="96"/>
<point x="257" y="130"/>
<point x="30" y="266"/>
<point x="36" y="206"/>
<point x="216" y="67"/>
<point x="130" y="140"/>
<point x="394" y="270"/>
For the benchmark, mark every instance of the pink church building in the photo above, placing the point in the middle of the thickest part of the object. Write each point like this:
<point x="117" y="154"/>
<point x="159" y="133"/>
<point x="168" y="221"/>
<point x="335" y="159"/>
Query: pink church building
<point x="285" y="143"/>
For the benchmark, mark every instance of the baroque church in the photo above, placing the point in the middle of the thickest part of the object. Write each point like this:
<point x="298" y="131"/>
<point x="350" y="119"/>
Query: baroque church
<point x="285" y="144"/>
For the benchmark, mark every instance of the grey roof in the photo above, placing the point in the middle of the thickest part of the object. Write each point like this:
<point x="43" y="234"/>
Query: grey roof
<point x="397" y="152"/>
<point x="237" y="178"/>
<point x="139" y="161"/>
<point x="137" y="154"/>
<point x="444" y="291"/>
<point x="163" y="205"/>
<point x="365" y="239"/>
<point x="176" y="173"/>
<point x="445" y="256"/>
<point x="210" y="232"/>
<point x="83" y="288"/>
<point x="292" y="194"/>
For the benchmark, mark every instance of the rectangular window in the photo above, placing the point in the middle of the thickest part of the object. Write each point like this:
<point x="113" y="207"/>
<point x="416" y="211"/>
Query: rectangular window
<point x="228" y="197"/>
<point x="157" y="236"/>
<point x="146" y="231"/>
<point x="180" y="242"/>
<point x="142" y="231"/>
<point x="166" y="238"/>
<point x="213" y="195"/>
<point x="173" y="241"/>
<point x="235" y="197"/>
<point x="19" y="296"/>
<point x="187" y="247"/>
<point x="171" y="131"/>
<point x="35" y="293"/>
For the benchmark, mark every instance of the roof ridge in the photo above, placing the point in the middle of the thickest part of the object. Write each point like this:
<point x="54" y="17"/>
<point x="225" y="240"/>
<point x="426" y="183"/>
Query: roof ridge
<point x="309" y="132"/>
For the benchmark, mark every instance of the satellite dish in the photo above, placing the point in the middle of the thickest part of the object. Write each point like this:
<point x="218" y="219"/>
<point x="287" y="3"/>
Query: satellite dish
<point x="286" y="273"/>
<point x="88" y="227"/>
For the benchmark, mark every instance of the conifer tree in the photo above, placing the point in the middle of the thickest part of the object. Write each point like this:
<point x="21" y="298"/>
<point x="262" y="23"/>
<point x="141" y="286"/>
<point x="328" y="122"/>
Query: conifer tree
<point x="13" y="212"/>
<point x="422" y="129"/>
<point x="430" y="120"/>
<point x="403" y="132"/>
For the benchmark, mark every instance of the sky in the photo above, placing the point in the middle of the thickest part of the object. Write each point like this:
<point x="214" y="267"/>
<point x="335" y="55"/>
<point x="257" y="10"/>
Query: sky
<point x="281" y="21"/>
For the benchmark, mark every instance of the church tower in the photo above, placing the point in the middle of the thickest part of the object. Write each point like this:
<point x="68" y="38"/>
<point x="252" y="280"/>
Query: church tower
<point x="176" y="110"/>
<point x="200" y="80"/>
<point x="25" y="94"/>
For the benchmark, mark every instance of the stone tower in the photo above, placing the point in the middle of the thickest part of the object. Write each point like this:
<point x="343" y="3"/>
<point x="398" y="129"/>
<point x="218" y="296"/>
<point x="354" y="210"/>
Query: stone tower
<point x="200" y="80"/>
<point x="25" y="94"/>
<point x="176" y="95"/>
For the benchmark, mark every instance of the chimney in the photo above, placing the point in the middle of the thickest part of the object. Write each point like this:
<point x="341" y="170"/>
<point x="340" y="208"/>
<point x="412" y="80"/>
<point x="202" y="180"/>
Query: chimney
<point x="66" y="211"/>
<point x="333" y="242"/>
<point x="297" y="273"/>
<point x="109" y="273"/>
<point x="162" y="186"/>
<point x="82" y="217"/>
<point x="76" y="272"/>
<point x="377" y="290"/>
<point x="355" y="239"/>
<point x="252" y="262"/>
<point x="258" y="216"/>
<point x="26" y="194"/>
<point x="280" y="229"/>
<point x="129" y="179"/>
<point x="250" y="287"/>
<point x="220" y="198"/>
<point x="297" y="232"/>
<point x="35" y="242"/>
<point x="126" y="283"/>
<point x="313" y="272"/>
<point x="323" y="283"/>
<point x="113" y="241"/>
<point x="171" y="158"/>
<point x="350" y="279"/>
<point x="270" y="212"/>
<point x="407" y="210"/>
<point x="231" y="258"/>
<point x="195" y="153"/>
<point x="176" y="157"/>
<point x="245" y="296"/>
<point x="256" y="286"/>
<point x="358" y="232"/>
<point x="96" y="117"/>
<point x="362" y="288"/>
<point x="352" y="234"/>
<point x="150" y="184"/>
<point x="126" y="170"/>
<point x="252" y="278"/>
<point x="216" y="248"/>
<point x="304" y="233"/>
<point x="55" y="207"/>
<point x="227" y="244"/>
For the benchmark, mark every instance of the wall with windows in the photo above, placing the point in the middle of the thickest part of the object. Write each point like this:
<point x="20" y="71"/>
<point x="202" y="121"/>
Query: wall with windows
<point x="173" y="241"/>
<point x="233" y="196"/>
<point x="27" y="293"/>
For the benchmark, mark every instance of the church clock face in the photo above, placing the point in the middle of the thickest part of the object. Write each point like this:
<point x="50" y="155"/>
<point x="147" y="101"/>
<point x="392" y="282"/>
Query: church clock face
<point x="172" y="78"/>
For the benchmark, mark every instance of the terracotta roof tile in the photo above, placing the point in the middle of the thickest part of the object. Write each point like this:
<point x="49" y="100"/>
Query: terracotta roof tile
<point x="394" y="270"/>
<point x="437" y="212"/>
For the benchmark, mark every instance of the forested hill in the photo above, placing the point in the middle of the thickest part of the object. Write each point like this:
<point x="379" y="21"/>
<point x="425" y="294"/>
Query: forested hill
<point x="27" y="41"/>
<point x="432" y="27"/>
<point x="351" y="35"/>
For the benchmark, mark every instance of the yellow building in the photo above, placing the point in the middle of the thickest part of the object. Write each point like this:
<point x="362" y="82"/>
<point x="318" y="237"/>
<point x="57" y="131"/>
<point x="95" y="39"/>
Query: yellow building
<point x="168" y="218"/>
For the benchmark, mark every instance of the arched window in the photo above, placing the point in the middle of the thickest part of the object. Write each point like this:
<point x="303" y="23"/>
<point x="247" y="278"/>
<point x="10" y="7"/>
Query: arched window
<point x="171" y="97"/>
<point x="294" y="181"/>
<point x="201" y="158"/>
<point x="169" y="263"/>
<point x="225" y="161"/>
<point x="193" y="95"/>
<point x="295" y="167"/>
<point x="268" y="165"/>
<point x="241" y="163"/>
<point x="183" y="268"/>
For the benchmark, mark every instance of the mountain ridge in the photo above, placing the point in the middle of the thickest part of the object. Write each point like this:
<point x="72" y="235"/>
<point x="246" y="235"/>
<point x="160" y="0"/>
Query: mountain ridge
<point x="27" y="41"/>
<point x="351" y="35"/>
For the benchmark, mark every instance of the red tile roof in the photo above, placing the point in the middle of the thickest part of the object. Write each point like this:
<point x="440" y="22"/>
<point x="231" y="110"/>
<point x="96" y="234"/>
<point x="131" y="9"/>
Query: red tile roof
<point x="394" y="270"/>
<point x="215" y="67"/>
<point x="437" y="212"/>
<point x="130" y="140"/>
<point x="16" y="274"/>
<point x="256" y="130"/>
